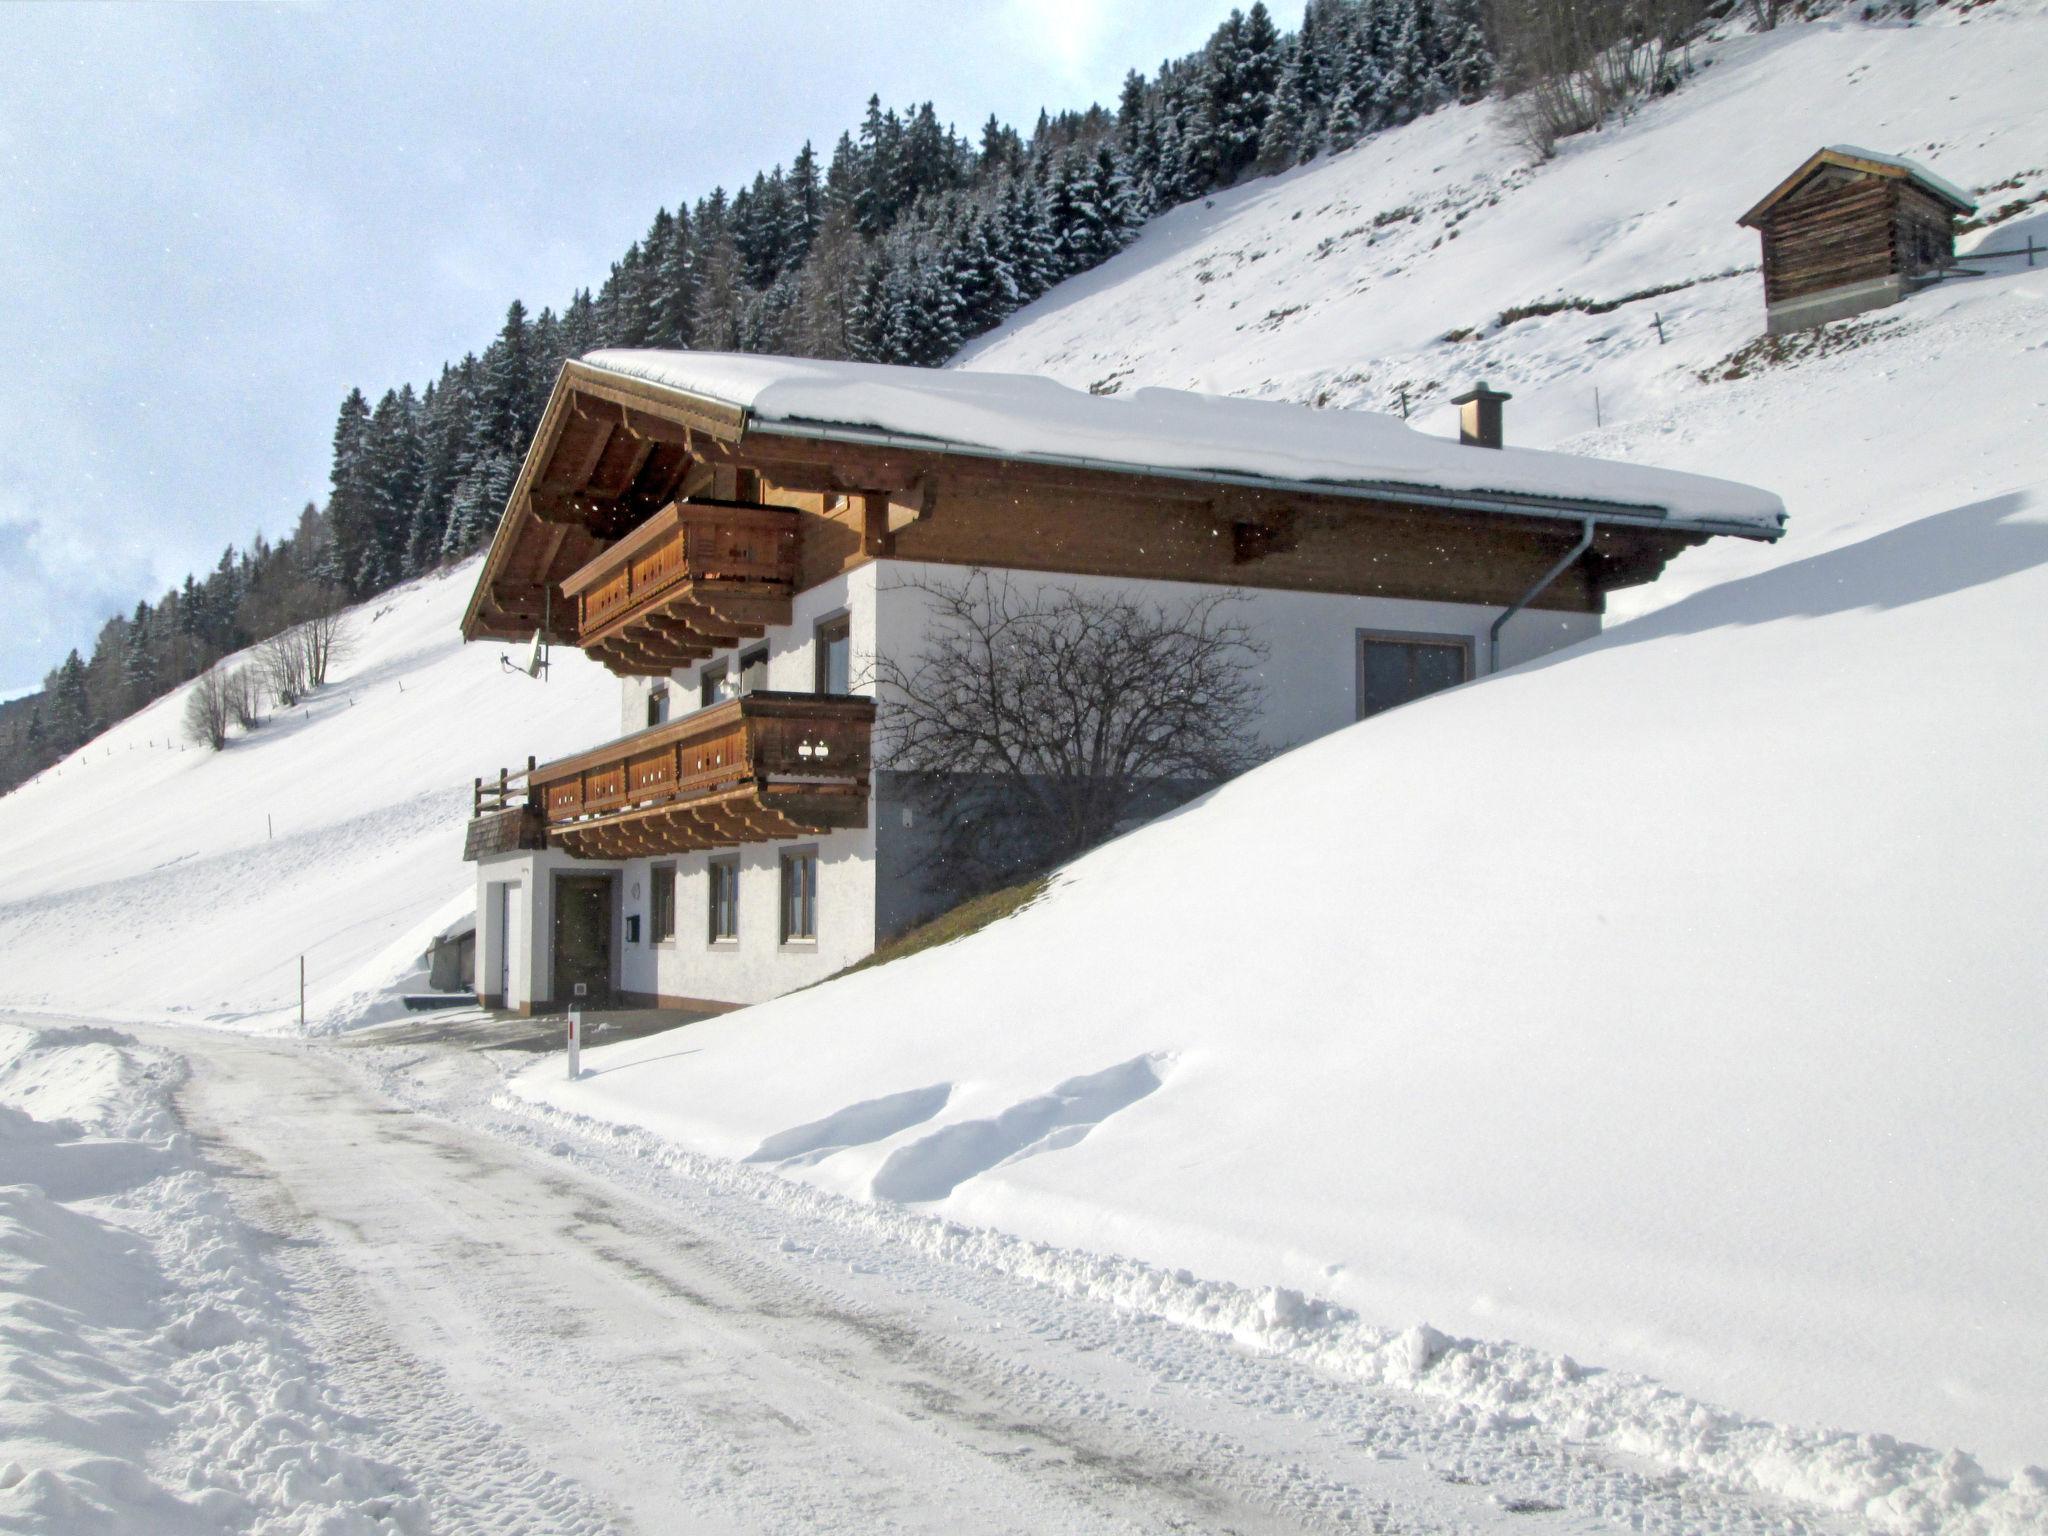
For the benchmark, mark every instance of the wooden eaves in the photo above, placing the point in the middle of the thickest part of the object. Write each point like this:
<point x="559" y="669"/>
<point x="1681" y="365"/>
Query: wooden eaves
<point x="1823" y="158"/>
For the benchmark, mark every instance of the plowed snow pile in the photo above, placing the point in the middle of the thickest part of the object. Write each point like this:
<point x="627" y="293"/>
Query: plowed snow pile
<point x="150" y="1379"/>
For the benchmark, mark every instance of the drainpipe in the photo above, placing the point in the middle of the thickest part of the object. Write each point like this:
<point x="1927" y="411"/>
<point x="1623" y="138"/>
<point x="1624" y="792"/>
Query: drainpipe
<point x="1542" y="582"/>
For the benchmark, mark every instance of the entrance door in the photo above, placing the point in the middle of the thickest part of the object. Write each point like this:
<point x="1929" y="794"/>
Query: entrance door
<point x="583" y="938"/>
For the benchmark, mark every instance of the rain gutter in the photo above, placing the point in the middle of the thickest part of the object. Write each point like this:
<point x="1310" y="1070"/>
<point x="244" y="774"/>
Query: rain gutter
<point x="1493" y="634"/>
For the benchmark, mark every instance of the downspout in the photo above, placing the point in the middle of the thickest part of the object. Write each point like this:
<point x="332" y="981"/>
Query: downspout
<point x="1542" y="583"/>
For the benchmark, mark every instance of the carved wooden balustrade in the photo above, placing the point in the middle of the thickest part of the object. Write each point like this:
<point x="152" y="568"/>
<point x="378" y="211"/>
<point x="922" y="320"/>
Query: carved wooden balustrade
<point x="757" y="768"/>
<point x="697" y="577"/>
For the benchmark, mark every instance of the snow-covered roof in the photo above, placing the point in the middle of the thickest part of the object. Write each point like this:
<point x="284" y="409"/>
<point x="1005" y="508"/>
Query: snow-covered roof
<point x="1177" y="432"/>
<point x="1873" y="162"/>
<point x="1939" y="185"/>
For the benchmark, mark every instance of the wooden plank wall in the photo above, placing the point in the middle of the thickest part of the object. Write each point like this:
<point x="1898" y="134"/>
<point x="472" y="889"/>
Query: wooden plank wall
<point x="982" y="515"/>
<point x="1923" y="232"/>
<point x="1830" y="233"/>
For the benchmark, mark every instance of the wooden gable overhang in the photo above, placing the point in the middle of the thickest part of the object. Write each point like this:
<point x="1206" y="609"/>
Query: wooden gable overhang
<point x="1840" y="159"/>
<point x="653" y="527"/>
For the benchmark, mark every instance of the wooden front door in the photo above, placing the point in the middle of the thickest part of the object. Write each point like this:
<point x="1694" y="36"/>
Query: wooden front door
<point x="583" y="938"/>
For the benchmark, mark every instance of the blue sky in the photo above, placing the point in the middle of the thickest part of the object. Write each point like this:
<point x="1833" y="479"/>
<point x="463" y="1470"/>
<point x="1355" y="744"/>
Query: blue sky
<point x="215" y="219"/>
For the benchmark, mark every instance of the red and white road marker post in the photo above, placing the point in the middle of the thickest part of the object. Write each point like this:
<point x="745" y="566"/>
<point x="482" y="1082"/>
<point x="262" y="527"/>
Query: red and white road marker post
<point x="576" y="1034"/>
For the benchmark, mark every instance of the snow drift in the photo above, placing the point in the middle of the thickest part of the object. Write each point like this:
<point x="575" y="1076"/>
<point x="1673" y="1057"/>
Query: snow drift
<point x="1649" y="1005"/>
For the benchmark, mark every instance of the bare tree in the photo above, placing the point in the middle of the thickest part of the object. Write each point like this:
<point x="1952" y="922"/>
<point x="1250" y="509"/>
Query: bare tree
<point x="1565" y="66"/>
<point x="245" y="700"/>
<point x="1039" y="717"/>
<point x="326" y="639"/>
<point x="282" y="660"/>
<point x="208" y="708"/>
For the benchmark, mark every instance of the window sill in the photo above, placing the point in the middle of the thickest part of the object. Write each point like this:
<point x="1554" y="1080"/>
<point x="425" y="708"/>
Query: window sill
<point x="799" y="944"/>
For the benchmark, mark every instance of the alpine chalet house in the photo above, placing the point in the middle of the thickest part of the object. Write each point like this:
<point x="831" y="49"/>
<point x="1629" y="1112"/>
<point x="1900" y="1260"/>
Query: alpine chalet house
<point x="733" y="536"/>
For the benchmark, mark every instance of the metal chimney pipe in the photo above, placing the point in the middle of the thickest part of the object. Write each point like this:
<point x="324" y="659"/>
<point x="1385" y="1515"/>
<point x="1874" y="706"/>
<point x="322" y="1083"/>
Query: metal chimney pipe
<point x="1479" y="416"/>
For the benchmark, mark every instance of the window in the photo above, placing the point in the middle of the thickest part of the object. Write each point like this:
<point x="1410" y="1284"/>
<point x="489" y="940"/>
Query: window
<point x="661" y="901"/>
<point x="725" y="901"/>
<point x="800" y="896"/>
<point x="1399" y="669"/>
<point x="657" y="704"/>
<point x="835" y="655"/>
<point x="712" y="681"/>
<point x="754" y="671"/>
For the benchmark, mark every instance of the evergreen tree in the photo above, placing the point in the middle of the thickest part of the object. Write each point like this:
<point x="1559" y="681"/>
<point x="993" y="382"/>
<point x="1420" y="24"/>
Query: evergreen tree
<point x="509" y="376"/>
<point x="1466" y="68"/>
<point x="874" y="196"/>
<point x="803" y="207"/>
<point x="138" y="661"/>
<point x="1347" y="123"/>
<point x="350" y="510"/>
<point x="71" y="722"/>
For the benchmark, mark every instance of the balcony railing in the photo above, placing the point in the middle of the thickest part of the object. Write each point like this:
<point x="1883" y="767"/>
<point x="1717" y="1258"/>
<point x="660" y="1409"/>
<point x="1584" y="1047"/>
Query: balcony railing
<point x="694" y="578"/>
<point x="752" y="769"/>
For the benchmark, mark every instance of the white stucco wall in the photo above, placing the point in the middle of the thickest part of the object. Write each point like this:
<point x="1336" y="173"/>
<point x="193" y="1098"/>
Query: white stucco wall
<point x="1310" y="674"/>
<point x="757" y="965"/>
<point x="1310" y="687"/>
<point x="792" y="655"/>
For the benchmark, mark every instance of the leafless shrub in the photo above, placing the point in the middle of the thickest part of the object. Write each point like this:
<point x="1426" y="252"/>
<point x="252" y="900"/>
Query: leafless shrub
<point x="244" y="699"/>
<point x="327" y="639"/>
<point x="1039" y="716"/>
<point x="208" y="709"/>
<point x="282" y="661"/>
<point x="295" y="661"/>
<point x="1568" y="65"/>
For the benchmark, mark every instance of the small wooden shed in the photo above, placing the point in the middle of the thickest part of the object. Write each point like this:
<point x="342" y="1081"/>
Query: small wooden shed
<point x="1852" y="230"/>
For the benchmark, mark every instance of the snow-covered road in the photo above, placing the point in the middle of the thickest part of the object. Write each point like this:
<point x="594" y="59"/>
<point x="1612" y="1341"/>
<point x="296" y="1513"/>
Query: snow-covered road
<point x="548" y="1332"/>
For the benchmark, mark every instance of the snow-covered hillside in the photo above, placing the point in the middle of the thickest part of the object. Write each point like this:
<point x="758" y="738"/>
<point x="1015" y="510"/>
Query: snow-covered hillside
<point x="1673" y="1005"/>
<point x="1339" y="283"/>
<point x="147" y="877"/>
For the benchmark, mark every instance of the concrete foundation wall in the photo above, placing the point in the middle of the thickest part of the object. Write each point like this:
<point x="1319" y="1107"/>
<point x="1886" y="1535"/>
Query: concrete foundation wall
<point x="1836" y="303"/>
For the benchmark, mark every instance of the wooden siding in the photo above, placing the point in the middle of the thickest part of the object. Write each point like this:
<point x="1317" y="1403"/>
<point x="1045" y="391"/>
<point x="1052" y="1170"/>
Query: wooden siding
<point x="1844" y="227"/>
<point x="1833" y="235"/>
<point x="757" y="768"/>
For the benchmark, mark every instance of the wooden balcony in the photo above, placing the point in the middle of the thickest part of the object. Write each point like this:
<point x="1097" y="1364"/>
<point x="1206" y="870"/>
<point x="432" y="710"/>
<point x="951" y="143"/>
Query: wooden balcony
<point x="697" y="577"/>
<point x="758" y="768"/>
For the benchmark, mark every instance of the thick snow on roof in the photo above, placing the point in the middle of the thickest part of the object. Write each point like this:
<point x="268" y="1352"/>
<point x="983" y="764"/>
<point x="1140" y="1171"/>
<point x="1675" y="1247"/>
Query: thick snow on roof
<point x="1026" y="416"/>
<point x="1912" y="168"/>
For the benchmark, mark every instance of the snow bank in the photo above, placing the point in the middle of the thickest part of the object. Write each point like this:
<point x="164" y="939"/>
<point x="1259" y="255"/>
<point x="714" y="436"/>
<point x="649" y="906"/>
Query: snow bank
<point x="149" y="1378"/>
<point x="1670" y="1005"/>
<point x="1027" y="416"/>
<point x="149" y="878"/>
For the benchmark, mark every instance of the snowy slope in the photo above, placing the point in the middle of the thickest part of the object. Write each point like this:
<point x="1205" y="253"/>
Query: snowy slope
<point x="1338" y="283"/>
<point x="1674" y="1004"/>
<point x="146" y="877"/>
